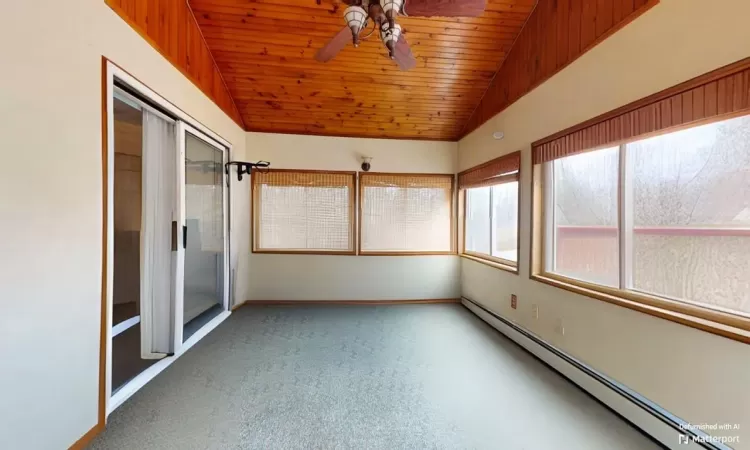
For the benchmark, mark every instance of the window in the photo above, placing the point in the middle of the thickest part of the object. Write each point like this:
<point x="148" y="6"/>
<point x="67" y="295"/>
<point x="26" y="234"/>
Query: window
<point x="648" y="206"/>
<point x="585" y="217"/>
<point x="406" y="213"/>
<point x="691" y="215"/>
<point x="491" y="210"/>
<point x="303" y="211"/>
<point x="663" y="220"/>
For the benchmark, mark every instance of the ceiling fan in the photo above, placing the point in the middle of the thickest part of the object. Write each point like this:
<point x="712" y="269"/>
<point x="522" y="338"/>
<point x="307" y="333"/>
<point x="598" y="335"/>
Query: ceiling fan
<point x="383" y="15"/>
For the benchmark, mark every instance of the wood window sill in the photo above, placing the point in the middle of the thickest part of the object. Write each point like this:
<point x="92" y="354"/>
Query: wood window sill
<point x="378" y="253"/>
<point x="305" y="252"/>
<point x="719" y="323"/>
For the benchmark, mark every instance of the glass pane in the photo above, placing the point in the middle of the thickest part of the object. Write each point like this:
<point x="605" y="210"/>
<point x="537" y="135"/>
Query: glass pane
<point x="128" y="152"/>
<point x="204" y="214"/>
<point x="406" y="219"/>
<point x="477" y="233"/>
<point x="128" y="139"/>
<point x="691" y="202"/>
<point x="305" y="218"/>
<point x="585" y="215"/>
<point x="505" y="221"/>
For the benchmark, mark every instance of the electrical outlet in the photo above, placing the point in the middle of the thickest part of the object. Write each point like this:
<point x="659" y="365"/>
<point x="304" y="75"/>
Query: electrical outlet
<point x="559" y="327"/>
<point x="513" y="301"/>
<point x="535" y="311"/>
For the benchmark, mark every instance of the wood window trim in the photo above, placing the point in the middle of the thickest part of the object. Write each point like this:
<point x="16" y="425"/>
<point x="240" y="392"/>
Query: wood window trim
<point x="490" y="260"/>
<point x="360" y="192"/>
<point x="722" y="324"/>
<point x="255" y="217"/>
<point x="725" y="324"/>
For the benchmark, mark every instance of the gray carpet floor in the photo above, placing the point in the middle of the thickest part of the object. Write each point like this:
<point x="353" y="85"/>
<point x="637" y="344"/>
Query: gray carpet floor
<point x="362" y="377"/>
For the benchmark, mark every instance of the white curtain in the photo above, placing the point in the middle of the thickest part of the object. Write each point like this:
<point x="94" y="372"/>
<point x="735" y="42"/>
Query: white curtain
<point x="159" y="202"/>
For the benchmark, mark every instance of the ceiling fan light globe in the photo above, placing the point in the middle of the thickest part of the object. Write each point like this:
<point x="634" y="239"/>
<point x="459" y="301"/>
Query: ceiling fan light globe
<point x="392" y="7"/>
<point x="355" y="17"/>
<point x="390" y="34"/>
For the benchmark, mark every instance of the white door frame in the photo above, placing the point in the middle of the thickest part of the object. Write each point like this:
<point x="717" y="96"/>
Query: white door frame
<point x="114" y="72"/>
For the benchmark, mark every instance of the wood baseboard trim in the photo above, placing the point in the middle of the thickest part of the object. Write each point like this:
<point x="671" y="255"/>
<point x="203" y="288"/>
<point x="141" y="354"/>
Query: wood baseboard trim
<point x="84" y="440"/>
<point x="238" y="306"/>
<point x="345" y="302"/>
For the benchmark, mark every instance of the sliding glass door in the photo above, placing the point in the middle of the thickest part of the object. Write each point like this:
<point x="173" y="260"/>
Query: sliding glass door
<point x="167" y="239"/>
<point x="204" y="226"/>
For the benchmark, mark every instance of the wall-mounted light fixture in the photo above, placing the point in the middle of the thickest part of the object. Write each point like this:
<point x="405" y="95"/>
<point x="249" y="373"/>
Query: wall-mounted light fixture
<point x="366" y="160"/>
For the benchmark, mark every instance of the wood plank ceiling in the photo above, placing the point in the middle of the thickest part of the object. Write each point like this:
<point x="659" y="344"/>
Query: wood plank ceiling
<point x="264" y="50"/>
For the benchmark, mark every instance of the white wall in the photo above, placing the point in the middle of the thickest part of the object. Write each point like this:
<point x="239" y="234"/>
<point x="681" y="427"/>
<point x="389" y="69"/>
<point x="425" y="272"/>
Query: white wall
<point x="50" y="206"/>
<point x="695" y="375"/>
<point x="329" y="277"/>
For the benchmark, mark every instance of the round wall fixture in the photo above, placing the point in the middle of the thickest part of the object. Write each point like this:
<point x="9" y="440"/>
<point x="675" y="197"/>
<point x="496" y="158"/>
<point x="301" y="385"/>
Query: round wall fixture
<point x="498" y="135"/>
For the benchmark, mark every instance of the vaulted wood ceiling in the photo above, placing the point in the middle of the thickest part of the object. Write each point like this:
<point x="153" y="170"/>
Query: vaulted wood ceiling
<point x="264" y="50"/>
<point x="255" y="59"/>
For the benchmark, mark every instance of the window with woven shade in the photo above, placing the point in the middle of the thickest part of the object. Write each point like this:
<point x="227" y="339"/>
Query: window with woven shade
<point x="406" y="213"/>
<point x="490" y="210"/>
<point x="648" y="206"/>
<point x="303" y="211"/>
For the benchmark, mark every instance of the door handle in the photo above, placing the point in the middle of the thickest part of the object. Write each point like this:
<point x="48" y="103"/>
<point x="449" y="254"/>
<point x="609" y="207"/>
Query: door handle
<point x="184" y="236"/>
<point x="174" y="236"/>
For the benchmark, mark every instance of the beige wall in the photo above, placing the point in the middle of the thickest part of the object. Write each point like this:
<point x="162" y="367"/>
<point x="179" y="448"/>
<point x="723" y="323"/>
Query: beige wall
<point x="50" y="210"/>
<point x="327" y="277"/>
<point x="695" y="375"/>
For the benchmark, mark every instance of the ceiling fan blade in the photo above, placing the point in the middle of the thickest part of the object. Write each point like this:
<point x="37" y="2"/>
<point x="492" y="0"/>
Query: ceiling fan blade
<point x="444" y="8"/>
<point x="335" y="45"/>
<point x="402" y="54"/>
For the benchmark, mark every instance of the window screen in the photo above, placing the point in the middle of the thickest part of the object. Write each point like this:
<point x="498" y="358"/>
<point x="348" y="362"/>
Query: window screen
<point x="406" y="213"/>
<point x="299" y="211"/>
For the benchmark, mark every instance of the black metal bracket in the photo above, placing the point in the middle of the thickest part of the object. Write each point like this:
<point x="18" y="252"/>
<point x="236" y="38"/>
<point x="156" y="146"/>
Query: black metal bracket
<point x="245" y="167"/>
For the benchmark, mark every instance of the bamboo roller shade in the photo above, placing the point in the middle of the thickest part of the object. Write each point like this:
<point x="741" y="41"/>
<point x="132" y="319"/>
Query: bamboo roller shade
<point x="407" y="180"/>
<point x="295" y="178"/>
<point x="500" y="170"/>
<point x="720" y="94"/>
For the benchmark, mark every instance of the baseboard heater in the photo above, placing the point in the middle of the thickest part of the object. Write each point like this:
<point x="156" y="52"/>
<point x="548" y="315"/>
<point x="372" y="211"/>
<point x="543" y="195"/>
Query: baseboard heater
<point x="663" y="427"/>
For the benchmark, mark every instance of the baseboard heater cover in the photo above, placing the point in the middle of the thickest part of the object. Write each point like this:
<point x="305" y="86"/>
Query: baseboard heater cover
<point x="663" y="427"/>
